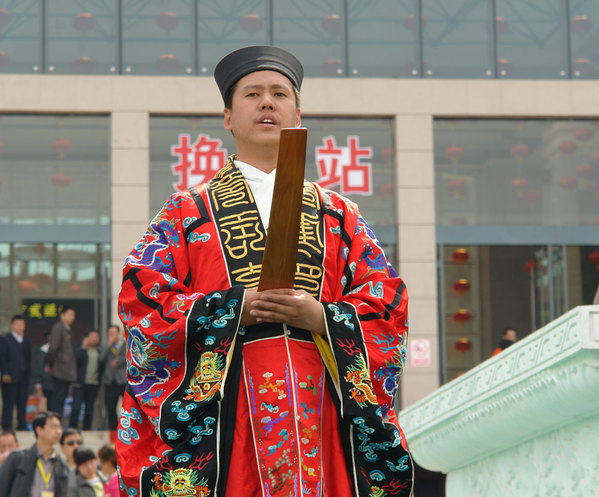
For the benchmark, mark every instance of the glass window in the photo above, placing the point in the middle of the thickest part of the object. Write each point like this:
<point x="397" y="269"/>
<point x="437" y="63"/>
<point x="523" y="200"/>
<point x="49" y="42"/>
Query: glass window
<point x="392" y="52"/>
<point x="456" y="39"/>
<point x="81" y="39"/>
<point x="54" y="170"/>
<point x="157" y="37"/>
<point x="314" y="33"/>
<point x="584" y="28"/>
<point x="539" y="173"/>
<point x="352" y="156"/>
<point x="227" y="25"/>
<point x="532" y="40"/>
<point x="20" y="36"/>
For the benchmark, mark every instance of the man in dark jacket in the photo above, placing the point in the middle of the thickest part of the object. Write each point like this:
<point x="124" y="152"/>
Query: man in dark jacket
<point x="37" y="471"/>
<point x="15" y="366"/>
<point x="114" y="378"/>
<point x="61" y="358"/>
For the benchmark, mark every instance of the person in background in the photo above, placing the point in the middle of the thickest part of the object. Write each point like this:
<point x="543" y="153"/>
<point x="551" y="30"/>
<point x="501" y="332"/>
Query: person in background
<point x="15" y="367"/>
<point x="8" y="443"/>
<point x="509" y="337"/>
<point x="86" y="482"/>
<point x="39" y="375"/>
<point x="89" y="369"/>
<point x="37" y="471"/>
<point x="114" y="377"/>
<point x="61" y="359"/>
<point x="107" y="458"/>
<point x="70" y="440"/>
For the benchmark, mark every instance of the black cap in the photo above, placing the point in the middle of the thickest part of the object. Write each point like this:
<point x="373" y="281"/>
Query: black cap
<point x="247" y="60"/>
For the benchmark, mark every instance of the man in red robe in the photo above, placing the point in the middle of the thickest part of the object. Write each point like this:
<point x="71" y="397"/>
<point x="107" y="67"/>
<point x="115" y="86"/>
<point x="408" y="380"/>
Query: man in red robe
<point x="228" y="393"/>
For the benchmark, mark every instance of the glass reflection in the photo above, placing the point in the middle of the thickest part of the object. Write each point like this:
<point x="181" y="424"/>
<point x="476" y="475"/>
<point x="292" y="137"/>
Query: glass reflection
<point x="457" y="39"/>
<point x="314" y="33"/>
<point x="81" y="40"/>
<point x="227" y="25"/>
<point x="392" y="52"/>
<point x="532" y="43"/>
<point x="584" y="29"/>
<point x="20" y="36"/>
<point x="157" y="37"/>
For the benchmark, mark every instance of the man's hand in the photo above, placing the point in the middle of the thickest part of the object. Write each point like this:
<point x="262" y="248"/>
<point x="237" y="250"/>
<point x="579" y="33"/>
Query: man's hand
<point x="296" y="308"/>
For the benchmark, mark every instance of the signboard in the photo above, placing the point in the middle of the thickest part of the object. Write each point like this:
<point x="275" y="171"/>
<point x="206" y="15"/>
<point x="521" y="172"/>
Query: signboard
<point x="420" y="352"/>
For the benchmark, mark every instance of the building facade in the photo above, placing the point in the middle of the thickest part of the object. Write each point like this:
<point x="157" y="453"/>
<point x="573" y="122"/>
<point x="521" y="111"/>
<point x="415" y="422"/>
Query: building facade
<point x="467" y="132"/>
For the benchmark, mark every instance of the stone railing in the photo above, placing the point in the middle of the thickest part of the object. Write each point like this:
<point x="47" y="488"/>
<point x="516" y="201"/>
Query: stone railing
<point x="525" y="422"/>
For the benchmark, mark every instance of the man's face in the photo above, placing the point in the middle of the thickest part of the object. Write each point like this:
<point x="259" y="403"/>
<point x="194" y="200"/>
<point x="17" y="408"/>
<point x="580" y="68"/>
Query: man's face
<point x="7" y="443"/>
<point x="18" y="326"/>
<point x="51" y="432"/>
<point x="113" y="334"/>
<point x="263" y="103"/>
<point x="68" y="317"/>
<point x="510" y="335"/>
<point x="93" y="339"/>
<point x="70" y="443"/>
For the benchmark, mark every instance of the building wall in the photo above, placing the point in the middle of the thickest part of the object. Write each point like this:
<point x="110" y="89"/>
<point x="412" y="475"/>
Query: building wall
<point x="412" y="104"/>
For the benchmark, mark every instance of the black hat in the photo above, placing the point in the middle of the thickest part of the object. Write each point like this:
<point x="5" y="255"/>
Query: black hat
<point x="247" y="60"/>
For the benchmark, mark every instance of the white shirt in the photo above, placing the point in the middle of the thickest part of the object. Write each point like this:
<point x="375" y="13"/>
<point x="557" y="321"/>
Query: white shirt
<point x="262" y="185"/>
<point x="18" y="338"/>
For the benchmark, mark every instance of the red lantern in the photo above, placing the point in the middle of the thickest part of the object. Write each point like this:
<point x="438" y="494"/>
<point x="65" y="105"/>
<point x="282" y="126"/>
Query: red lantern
<point x="5" y="17"/>
<point x="583" y="67"/>
<point x="585" y="170"/>
<point x="331" y="24"/>
<point x="61" y="180"/>
<point x="461" y="286"/>
<point x="82" y="65"/>
<point x="251" y="23"/>
<point x="84" y="22"/>
<point x="332" y="67"/>
<point x="519" y="185"/>
<point x="167" y="21"/>
<point x="501" y="25"/>
<point x="580" y="25"/>
<point x="520" y="152"/>
<point x="460" y="256"/>
<point x="463" y="345"/>
<point x="504" y="67"/>
<point x="461" y="316"/>
<point x="457" y="188"/>
<point x="568" y="183"/>
<point x="594" y="258"/>
<point x="27" y="286"/>
<point x="167" y="63"/>
<point x="75" y="288"/>
<point x="62" y="146"/>
<point x="567" y="147"/>
<point x="454" y="154"/>
<point x="583" y="134"/>
<point x="529" y="266"/>
<point x="4" y="58"/>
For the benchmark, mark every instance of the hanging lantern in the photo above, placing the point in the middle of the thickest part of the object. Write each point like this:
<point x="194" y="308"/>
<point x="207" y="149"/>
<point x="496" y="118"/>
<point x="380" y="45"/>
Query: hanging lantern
<point x="454" y="154"/>
<point x="251" y="23"/>
<point x="62" y="146"/>
<point x="583" y="134"/>
<point x="84" y="22"/>
<point x="457" y="188"/>
<point x="61" y="180"/>
<point x="501" y="25"/>
<point x="530" y="266"/>
<point x="5" y="17"/>
<point x="167" y="21"/>
<point x="583" y="67"/>
<point x="331" y="24"/>
<point x="27" y="286"/>
<point x="580" y="25"/>
<point x="462" y="345"/>
<point x="593" y="258"/>
<point x="333" y="67"/>
<point x="568" y="183"/>
<point x="461" y="286"/>
<point x="585" y="170"/>
<point x="532" y="196"/>
<point x="504" y="67"/>
<point x="4" y="58"/>
<point x="461" y="316"/>
<point x="75" y="288"/>
<point x="167" y="63"/>
<point x="82" y="65"/>
<point x="567" y="147"/>
<point x="519" y="185"/>
<point x="520" y="152"/>
<point x="460" y="256"/>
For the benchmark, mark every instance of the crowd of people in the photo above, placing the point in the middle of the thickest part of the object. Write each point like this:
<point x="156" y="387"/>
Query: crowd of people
<point x="58" y="367"/>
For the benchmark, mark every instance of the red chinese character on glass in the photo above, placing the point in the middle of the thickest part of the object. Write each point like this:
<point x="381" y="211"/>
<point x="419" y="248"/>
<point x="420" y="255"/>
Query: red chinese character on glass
<point x="328" y="159"/>
<point x="197" y="163"/>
